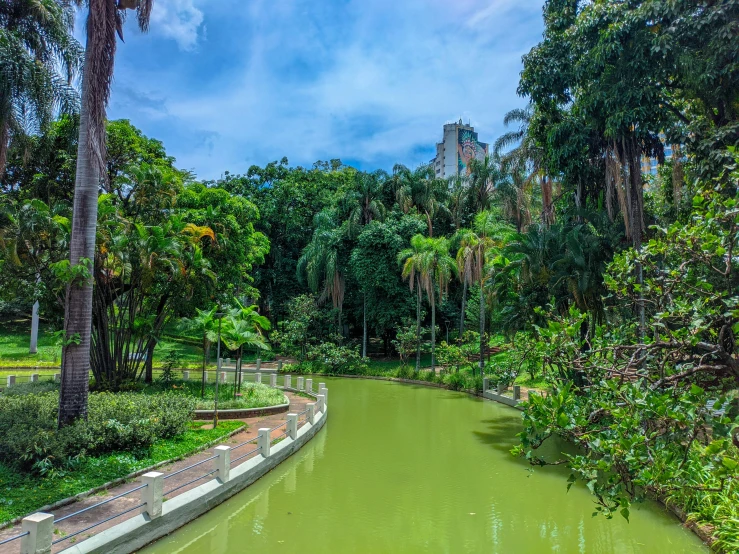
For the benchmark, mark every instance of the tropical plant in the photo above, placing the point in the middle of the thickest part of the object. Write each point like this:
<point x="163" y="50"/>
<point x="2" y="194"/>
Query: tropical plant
<point x="322" y="266"/>
<point x="39" y="57"/>
<point x="428" y="265"/>
<point x="104" y="21"/>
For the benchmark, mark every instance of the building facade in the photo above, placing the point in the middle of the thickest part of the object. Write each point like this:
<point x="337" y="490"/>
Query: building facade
<point x="458" y="148"/>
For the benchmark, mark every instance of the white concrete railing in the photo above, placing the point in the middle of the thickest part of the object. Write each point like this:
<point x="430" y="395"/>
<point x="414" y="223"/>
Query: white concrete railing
<point x="37" y="530"/>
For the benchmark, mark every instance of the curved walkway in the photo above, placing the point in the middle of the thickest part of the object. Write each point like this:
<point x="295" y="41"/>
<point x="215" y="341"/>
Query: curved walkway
<point x="72" y="525"/>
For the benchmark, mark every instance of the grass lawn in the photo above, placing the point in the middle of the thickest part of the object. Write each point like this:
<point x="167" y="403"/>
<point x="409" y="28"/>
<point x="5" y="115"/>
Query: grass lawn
<point x="21" y="493"/>
<point x="253" y="395"/>
<point x="15" y="340"/>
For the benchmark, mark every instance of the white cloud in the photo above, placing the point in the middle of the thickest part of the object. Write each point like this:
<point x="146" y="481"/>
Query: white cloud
<point x="180" y="20"/>
<point x="372" y="82"/>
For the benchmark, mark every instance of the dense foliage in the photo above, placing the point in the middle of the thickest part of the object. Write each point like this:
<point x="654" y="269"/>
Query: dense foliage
<point x="116" y="422"/>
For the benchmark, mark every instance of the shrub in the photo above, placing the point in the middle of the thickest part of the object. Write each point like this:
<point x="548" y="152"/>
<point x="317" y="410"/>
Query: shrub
<point x="456" y="381"/>
<point x="336" y="360"/>
<point x="29" y="438"/>
<point x="31" y="388"/>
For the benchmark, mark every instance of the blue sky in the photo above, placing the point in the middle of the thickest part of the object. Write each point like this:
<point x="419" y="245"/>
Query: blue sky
<point x="230" y="83"/>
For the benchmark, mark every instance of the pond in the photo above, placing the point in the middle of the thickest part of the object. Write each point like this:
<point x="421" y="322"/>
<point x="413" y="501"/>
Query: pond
<point x="403" y="468"/>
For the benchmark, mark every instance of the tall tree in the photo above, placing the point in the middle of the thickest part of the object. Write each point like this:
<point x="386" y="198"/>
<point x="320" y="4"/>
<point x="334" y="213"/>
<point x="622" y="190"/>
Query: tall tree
<point x="475" y="252"/>
<point x="322" y="265"/>
<point x="419" y="189"/>
<point x="36" y="44"/>
<point x="428" y="263"/>
<point x="104" y="21"/>
<point x="484" y="176"/>
<point x="526" y="156"/>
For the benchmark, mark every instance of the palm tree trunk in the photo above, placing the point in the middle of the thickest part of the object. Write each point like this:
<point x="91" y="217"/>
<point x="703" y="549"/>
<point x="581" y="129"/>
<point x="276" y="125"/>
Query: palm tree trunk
<point x="433" y="333"/>
<point x="464" y="303"/>
<point x="418" y="328"/>
<point x="364" y="326"/>
<point x="482" y="328"/>
<point x="78" y="306"/>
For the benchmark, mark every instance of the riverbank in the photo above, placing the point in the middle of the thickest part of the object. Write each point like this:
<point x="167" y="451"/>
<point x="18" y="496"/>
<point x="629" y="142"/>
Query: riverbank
<point x="414" y="468"/>
<point x="178" y="477"/>
<point x="703" y="532"/>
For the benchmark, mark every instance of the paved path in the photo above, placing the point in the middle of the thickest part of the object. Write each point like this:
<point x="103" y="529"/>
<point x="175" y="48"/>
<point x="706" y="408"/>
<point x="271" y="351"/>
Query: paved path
<point x="181" y="482"/>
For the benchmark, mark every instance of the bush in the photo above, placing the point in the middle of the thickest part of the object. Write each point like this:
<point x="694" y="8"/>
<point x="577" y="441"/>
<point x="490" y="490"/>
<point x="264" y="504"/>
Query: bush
<point x="336" y="360"/>
<point x="29" y="438"/>
<point x="31" y="388"/>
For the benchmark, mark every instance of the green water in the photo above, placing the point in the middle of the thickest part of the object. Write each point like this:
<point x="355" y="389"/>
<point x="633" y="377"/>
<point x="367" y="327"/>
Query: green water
<point x="405" y="469"/>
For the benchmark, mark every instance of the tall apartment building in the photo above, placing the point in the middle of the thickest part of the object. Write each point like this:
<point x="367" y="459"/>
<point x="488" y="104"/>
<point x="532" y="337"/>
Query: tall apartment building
<point x="458" y="148"/>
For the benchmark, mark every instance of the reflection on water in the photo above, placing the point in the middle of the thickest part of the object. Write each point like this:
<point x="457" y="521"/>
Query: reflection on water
<point x="406" y="469"/>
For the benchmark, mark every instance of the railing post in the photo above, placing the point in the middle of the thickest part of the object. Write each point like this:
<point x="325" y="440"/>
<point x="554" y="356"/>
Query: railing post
<point x="501" y="388"/>
<point x="311" y="413"/>
<point x="273" y="380"/>
<point x="321" y="386"/>
<point x="288" y="381"/>
<point x="292" y="426"/>
<point x="321" y="400"/>
<point x="485" y="384"/>
<point x="223" y="462"/>
<point x="324" y="391"/>
<point x="300" y="383"/>
<point x="257" y="377"/>
<point x="185" y="375"/>
<point x="223" y="376"/>
<point x="11" y="380"/>
<point x="279" y="365"/>
<point x="40" y="529"/>
<point x="263" y="442"/>
<point x="152" y="493"/>
<point x="309" y="385"/>
<point x="259" y="364"/>
<point x="57" y="377"/>
<point x="516" y="392"/>
<point x="34" y="377"/>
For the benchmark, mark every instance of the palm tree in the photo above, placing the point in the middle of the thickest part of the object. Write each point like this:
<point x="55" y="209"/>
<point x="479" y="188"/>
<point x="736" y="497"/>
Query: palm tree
<point x="365" y="199"/>
<point x="204" y="322"/>
<point x="527" y="156"/>
<point x="321" y="265"/>
<point x="365" y="206"/>
<point x="427" y="265"/>
<point x="411" y="260"/>
<point x="436" y="272"/>
<point x="484" y="175"/>
<point x="104" y="20"/>
<point x="422" y="190"/>
<point x="239" y="332"/>
<point x="36" y="43"/>
<point x="475" y="251"/>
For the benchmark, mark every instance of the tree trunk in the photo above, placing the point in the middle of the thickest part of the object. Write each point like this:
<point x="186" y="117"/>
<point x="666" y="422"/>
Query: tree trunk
<point x="33" y="348"/>
<point x="78" y="306"/>
<point x="149" y="361"/>
<point x="464" y="303"/>
<point x="364" y="326"/>
<point x="482" y="328"/>
<point x="547" y="210"/>
<point x="433" y="333"/>
<point x="418" y="328"/>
